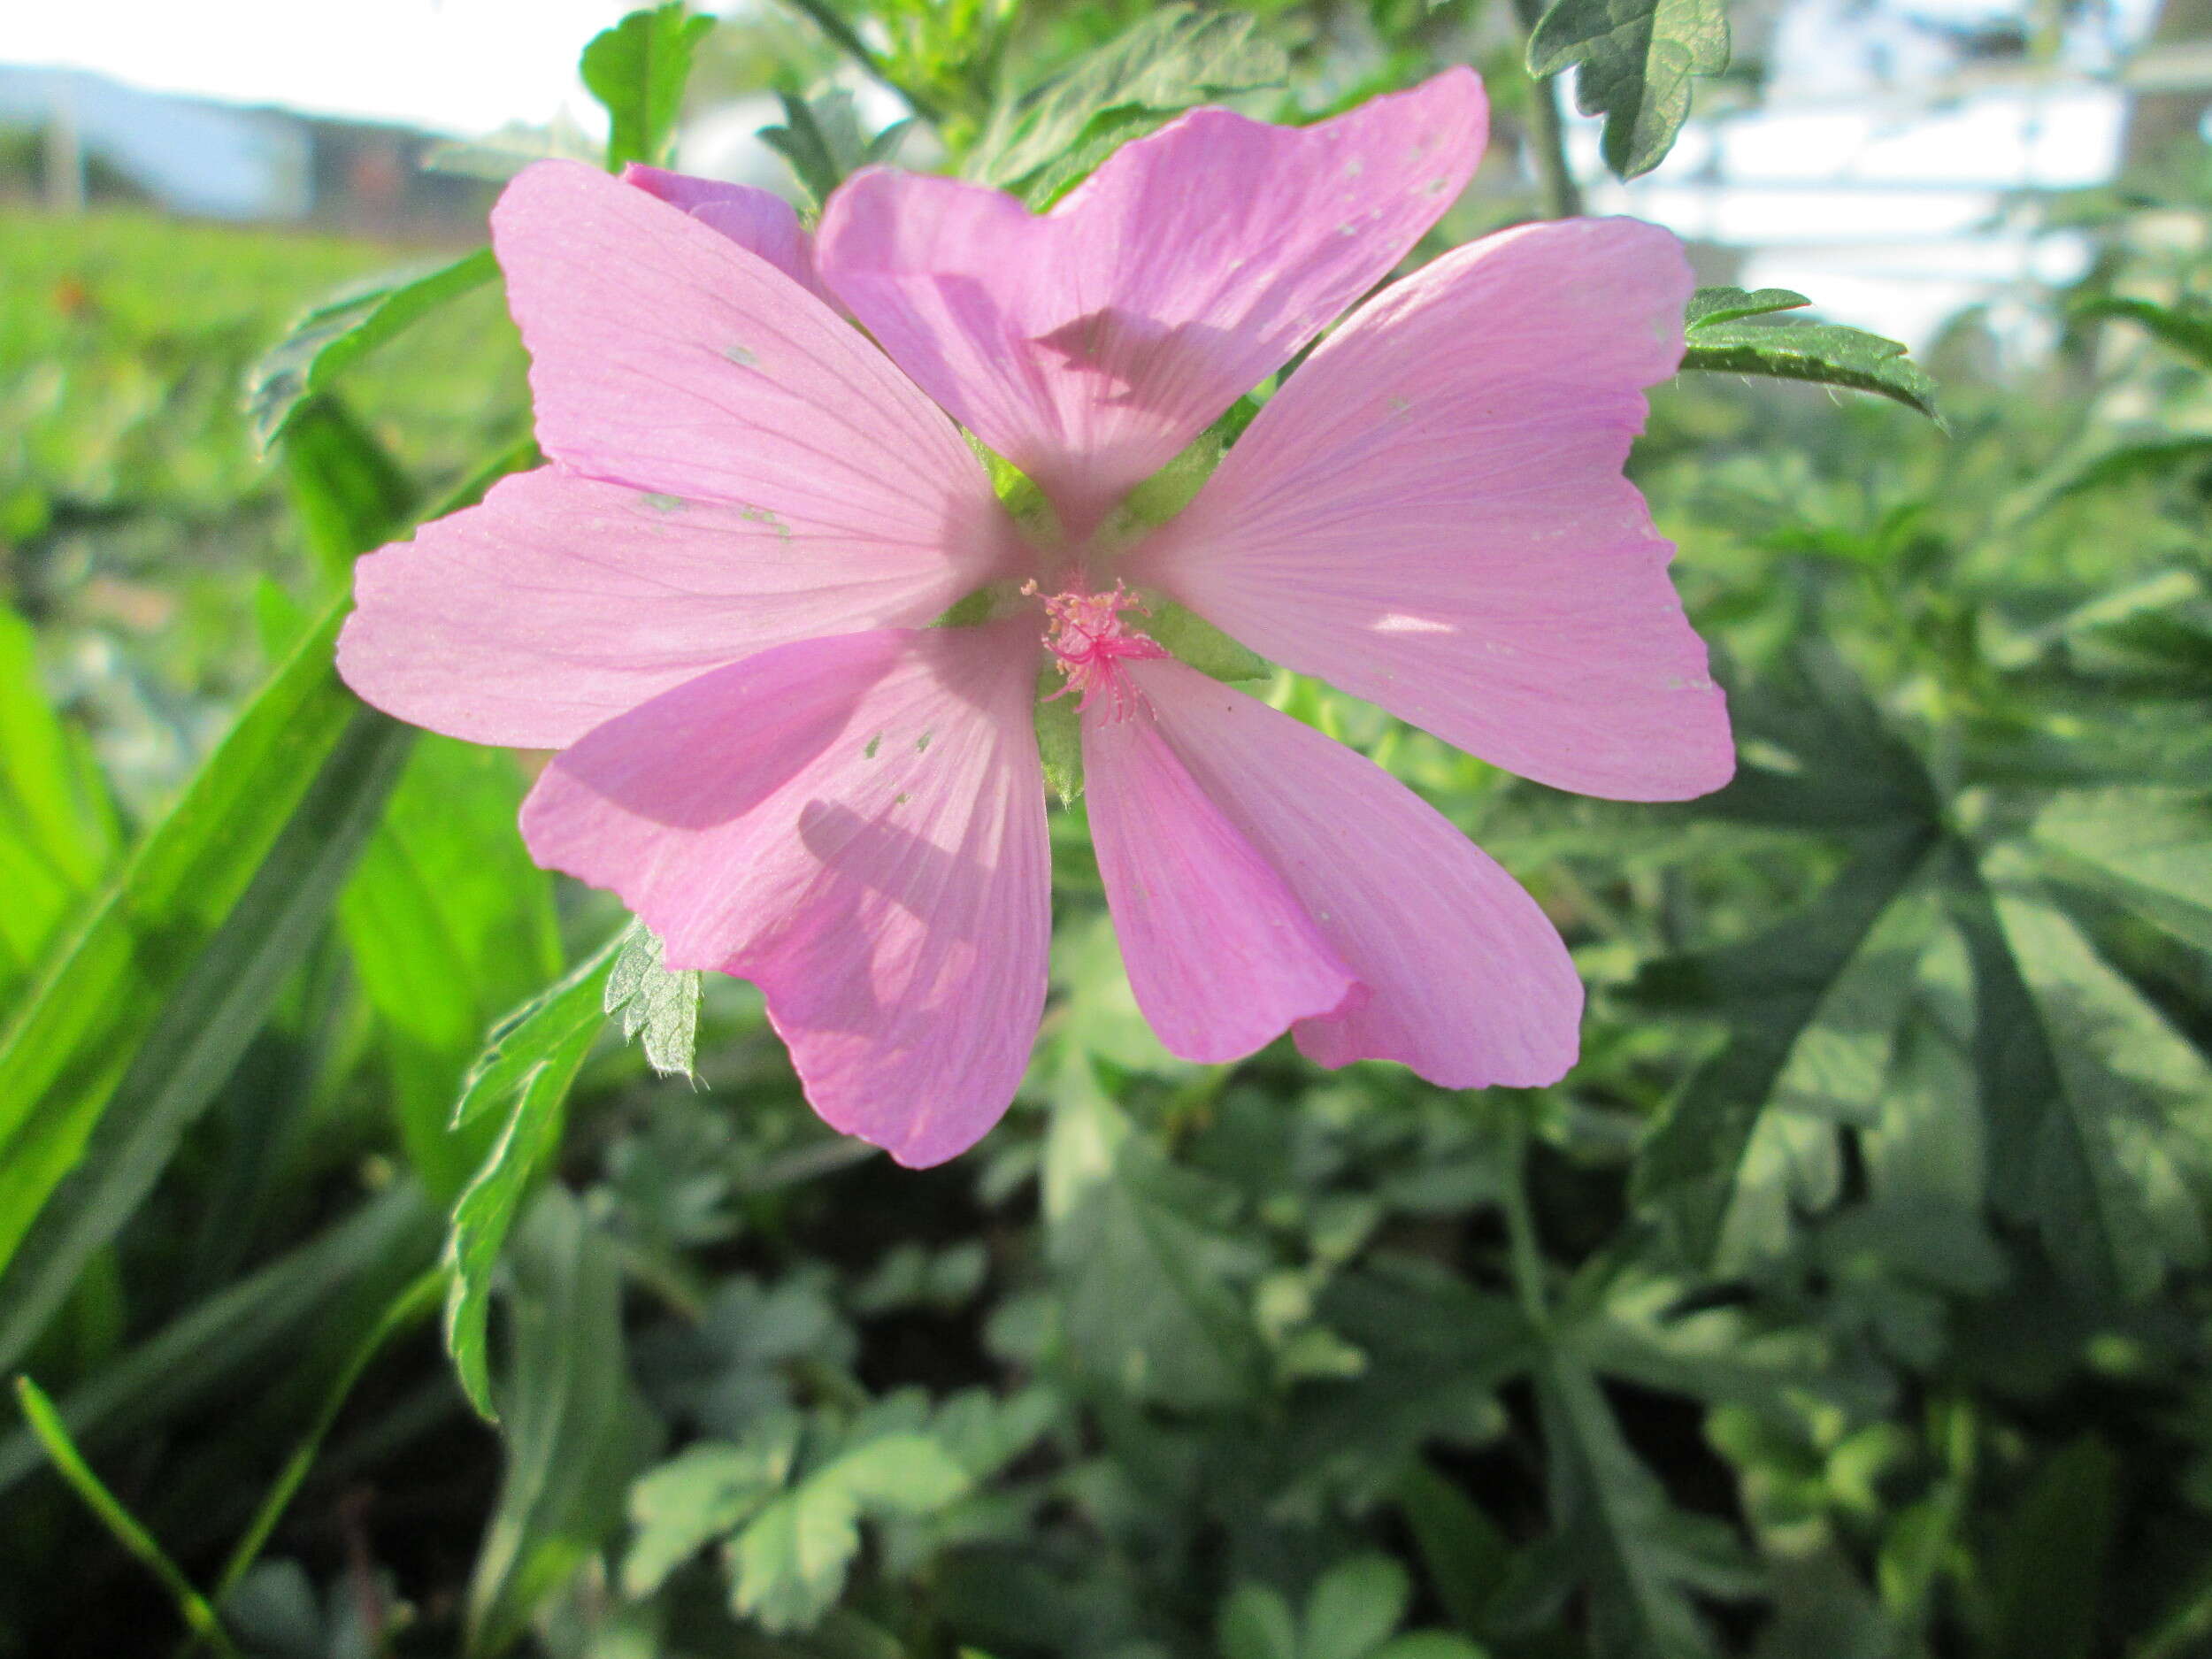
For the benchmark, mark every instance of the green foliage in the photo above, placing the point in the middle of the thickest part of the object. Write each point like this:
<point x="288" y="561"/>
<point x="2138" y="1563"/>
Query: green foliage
<point x="342" y="330"/>
<point x="637" y="70"/>
<point x="1633" y="62"/>
<point x="1720" y="338"/>
<point x="1851" y="1297"/>
<point x="1041" y="144"/>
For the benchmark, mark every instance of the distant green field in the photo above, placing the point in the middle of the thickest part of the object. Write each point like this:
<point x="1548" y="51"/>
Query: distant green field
<point x="138" y="516"/>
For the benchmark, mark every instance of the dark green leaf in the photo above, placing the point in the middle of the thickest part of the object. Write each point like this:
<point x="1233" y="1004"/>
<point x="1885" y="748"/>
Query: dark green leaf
<point x="1634" y="61"/>
<point x="1354" y="1607"/>
<point x="348" y="492"/>
<point x="1642" y="1560"/>
<point x="1466" y="1553"/>
<point x="664" y="1005"/>
<point x="1256" y="1623"/>
<point x="346" y="327"/>
<point x="2150" y="848"/>
<point x="2047" y="1575"/>
<point x="574" y="1428"/>
<point x="534" y="1033"/>
<point x="821" y="138"/>
<point x="1176" y="57"/>
<point x="2099" y="1113"/>
<point x="1814" y="1008"/>
<point x="1720" y="337"/>
<point x="637" y="69"/>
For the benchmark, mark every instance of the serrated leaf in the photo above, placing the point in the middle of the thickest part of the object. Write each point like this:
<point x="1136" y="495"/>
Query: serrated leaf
<point x="345" y="328"/>
<point x="1176" y="57"/>
<point x="637" y="70"/>
<point x="1721" y="337"/>
<point x="1634" y="61"/>
<point x="1814" y="1007"/>
<point x="822" y="139"/>
<point x="1642" y="1560"/>
<point x="789" y="1564"/>
<point x="2186" y="328"/>
<point x="652" y="1000"/>
<point x="2099" y="1113"/>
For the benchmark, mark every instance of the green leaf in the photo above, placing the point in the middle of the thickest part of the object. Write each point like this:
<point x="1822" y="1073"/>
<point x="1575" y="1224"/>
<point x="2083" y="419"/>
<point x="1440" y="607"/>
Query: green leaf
<point x="2152" y="848"/>
<point x="204" y="1025"/>
<point x="2046" y="1575"/>
<point x="520" y="1044"/>
<point x="2186" y="328"/>
<point x="1634" y="61"/>
<point x="822" y="140"/>
<point x="790" y="1563"/>
<point x="1175" y="57"/>
<point x="664" y="1005"/>
<point x="1465" y="1552"/>
<point x="449" y="925"/>
<point x="1146" y="1270"/>
<point x="637" y="69"/>
<point x="337" y="334"/>
<point x="575" y="1431"/>
<point x="349" y="493"/>
<point x="1256" y="1623"/>
<point x="532" y="1059"/>
<point x="59" y="835"/>
<point x="1355" y="1607"/>
<point x="1720" y="337"/>
<point x="2098" y="1112"/>
<point x="709" y="1492"/>
<point x="1814" y="1007"/>
<point x="1428" y="1644"/>
<point x="1642" y="1559"/>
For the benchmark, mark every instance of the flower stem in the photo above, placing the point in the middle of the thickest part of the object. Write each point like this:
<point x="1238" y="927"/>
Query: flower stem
<point x="1555" y="185"/>
<point x="1526" y="1250"/>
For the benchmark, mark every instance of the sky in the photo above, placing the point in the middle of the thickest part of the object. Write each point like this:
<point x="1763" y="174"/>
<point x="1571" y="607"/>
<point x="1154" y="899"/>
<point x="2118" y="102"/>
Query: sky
<point x="460" y="66"/>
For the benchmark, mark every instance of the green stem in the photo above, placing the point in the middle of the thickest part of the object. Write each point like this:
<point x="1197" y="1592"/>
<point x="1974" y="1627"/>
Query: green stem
<point x="53" y="1435"/>
<point x="1555" y="185"/>
<point x="1526" y="1250"/>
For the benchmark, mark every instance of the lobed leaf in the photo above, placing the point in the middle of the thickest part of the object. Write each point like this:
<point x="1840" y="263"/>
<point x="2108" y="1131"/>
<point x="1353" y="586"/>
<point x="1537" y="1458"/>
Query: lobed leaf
<point x="651" y="998"/>
<point x="1633" y="62"/>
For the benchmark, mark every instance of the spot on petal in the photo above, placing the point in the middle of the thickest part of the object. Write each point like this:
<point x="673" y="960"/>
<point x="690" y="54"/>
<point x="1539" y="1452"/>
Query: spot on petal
<point x="874" y="743"/>
<point x="664" y="503"/>
<point x="739" y="355"/>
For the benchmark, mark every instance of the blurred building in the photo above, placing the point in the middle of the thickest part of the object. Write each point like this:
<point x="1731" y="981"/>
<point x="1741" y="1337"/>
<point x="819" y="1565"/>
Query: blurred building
<point x="80" y="135"/>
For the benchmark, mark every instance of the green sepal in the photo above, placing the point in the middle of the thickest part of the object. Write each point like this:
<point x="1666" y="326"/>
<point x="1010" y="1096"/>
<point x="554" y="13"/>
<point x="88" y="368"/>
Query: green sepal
<point x="1017" y="492"/>
<point x="1059" y="737"/>
<point x="1198" y="644"/>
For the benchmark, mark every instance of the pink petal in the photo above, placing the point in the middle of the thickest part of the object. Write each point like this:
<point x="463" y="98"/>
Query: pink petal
<point x="1090" y="345"/>
<point x="562" y="601"/>
<point x="1221" y="956"/>
<point x="1469" y="982"/>
<point x="759" y="221"/>
<point x="666" y="357"/>
<point x="1430" y="514"/>
<point x="858" y="825"/>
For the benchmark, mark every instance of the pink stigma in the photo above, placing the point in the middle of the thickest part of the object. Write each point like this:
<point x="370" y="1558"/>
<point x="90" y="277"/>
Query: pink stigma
<point x="1088" y="637"/>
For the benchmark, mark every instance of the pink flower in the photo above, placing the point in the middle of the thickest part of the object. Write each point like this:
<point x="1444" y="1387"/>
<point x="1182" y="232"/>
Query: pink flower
<point x="715" y="602"/>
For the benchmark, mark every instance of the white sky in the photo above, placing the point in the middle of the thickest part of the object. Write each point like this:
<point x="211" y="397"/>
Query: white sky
<point x="463" y="67"/>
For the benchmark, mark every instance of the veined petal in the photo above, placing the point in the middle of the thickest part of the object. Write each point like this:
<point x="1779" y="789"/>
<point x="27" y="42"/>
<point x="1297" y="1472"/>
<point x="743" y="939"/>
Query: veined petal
<point x="759" y="221"/>
<point x="1468" y="981"/>
<point x="666" y="357"/>
<point x="1092" y="343"/>
<point x="561" y="601"/>
<point x="1220" y="953"/>
<point x="857" y="825"/>
<point x="1430" y="514"/>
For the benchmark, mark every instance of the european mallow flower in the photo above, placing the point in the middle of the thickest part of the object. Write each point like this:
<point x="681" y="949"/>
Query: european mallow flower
<point x="766" y="603"/>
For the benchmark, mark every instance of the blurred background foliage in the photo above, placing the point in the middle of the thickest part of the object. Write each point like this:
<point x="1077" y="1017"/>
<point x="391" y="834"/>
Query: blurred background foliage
<point x="1849" y="1300"/>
